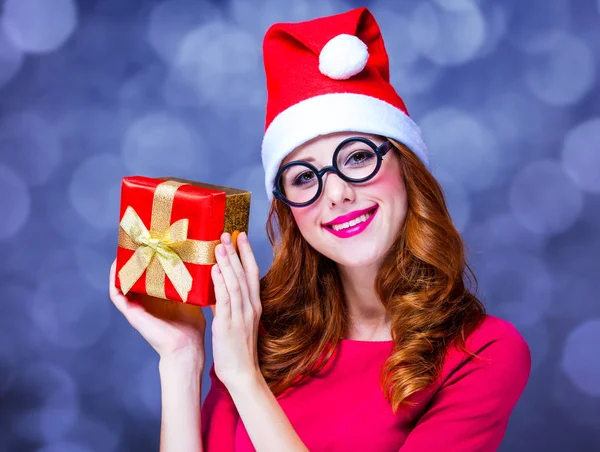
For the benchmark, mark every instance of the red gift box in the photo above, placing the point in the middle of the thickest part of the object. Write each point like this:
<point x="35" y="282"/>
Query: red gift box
<point x="168" y="231"/>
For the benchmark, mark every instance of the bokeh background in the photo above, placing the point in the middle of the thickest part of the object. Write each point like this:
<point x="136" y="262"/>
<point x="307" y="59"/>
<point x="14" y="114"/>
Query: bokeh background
<point x="506" y="92"/>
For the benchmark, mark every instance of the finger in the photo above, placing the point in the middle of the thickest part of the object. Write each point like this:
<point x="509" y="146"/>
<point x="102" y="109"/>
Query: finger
<point x="112" y="288"/>
<point x="252" y="271"/>
<point x="240" y="272"/>
<point x="222" y="308"/>
<point x="119" y="300"/>
<point x="235" y="281"/>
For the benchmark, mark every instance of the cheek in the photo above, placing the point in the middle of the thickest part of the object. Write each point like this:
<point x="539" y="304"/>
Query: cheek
<point x="392" y="191"/>
<point x="390" y="183"/>
<point x="304" y="218"/>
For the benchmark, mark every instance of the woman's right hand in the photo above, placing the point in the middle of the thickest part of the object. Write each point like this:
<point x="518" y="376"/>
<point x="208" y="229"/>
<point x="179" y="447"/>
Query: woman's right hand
<point x="170" y="327"/>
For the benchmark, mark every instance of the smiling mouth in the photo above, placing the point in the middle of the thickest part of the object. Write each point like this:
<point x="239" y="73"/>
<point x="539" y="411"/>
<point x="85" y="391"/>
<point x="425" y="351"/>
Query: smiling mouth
<point x="369" y="214"/>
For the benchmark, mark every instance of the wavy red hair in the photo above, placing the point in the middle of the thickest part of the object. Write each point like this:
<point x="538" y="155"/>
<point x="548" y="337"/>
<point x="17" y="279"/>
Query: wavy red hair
<point x="422" y="283"/>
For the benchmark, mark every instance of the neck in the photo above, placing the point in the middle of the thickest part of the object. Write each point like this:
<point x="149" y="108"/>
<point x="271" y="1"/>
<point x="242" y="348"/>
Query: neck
<point x="367" y="316"/>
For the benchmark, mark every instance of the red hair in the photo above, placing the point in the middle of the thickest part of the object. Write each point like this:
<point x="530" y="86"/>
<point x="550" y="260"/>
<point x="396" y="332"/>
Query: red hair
<point x="422" y="283"/>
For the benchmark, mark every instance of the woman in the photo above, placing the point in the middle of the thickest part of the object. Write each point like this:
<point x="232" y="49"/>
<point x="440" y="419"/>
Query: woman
<point x="363" y="335"/>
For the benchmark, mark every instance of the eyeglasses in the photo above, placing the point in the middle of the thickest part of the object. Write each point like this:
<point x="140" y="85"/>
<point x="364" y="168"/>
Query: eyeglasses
<point x="355" y="160"/>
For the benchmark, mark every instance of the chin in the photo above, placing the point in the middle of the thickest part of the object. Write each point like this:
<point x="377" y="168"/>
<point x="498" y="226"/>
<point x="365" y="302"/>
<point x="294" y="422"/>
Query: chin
<point x="357" y="260"/>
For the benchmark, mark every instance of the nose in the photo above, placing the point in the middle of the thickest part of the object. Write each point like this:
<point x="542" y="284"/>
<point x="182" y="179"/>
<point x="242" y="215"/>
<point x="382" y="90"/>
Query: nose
<point x="335" y="189"/>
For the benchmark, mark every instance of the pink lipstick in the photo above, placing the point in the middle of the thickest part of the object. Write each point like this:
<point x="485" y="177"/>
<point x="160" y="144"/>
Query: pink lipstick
<point x="352" y="230"/>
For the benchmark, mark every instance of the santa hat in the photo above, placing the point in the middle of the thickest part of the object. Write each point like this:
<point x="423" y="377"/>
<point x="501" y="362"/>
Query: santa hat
<point x="326" y="75"/>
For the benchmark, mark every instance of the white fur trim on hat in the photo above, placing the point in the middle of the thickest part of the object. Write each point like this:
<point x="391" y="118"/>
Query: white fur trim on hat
<point x="336" y="112"/>
<point x="342" y="57"/>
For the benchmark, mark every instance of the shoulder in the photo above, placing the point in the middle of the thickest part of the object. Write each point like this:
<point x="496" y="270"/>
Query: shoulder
<point x="492" y="330"/>
<point x="471" y="404"/>
<point x="495" y="348"/>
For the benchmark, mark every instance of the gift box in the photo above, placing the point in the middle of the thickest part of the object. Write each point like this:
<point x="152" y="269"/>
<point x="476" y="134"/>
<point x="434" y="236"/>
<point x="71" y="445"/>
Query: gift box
<point x="168" y="231"/>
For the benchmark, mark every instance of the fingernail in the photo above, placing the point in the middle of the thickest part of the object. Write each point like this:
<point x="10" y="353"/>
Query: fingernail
<point x="221" y="250"/>
<point x="242" y="237"/>
<point x="227" y="239"/>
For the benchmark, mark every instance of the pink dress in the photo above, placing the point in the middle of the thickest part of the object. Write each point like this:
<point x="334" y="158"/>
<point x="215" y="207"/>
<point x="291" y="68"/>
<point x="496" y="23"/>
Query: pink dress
<point x="343" y="407"/>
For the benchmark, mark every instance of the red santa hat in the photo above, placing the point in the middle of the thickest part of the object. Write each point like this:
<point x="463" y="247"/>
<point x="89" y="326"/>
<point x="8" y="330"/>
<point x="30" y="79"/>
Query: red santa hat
<point x="326" y="75"/>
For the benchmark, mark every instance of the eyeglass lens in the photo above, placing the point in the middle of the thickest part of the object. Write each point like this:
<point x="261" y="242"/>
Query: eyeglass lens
<point x="355" y="160"/>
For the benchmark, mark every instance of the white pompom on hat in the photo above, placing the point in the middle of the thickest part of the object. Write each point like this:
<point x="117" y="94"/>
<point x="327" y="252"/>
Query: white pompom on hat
<point x="327" y="75"/>
<point x="342" y="57"/>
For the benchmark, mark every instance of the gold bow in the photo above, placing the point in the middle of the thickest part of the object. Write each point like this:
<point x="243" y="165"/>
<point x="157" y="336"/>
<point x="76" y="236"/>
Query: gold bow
<point x="167" y="242"/>
<point x="151" y="244"/>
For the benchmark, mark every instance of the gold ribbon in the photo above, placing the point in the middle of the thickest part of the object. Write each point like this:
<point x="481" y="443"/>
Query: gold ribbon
<point x="163" y="249"/>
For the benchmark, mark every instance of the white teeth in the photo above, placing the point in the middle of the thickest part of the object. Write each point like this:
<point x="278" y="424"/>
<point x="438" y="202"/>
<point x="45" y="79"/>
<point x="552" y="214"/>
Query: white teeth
<point x="337" y="227"/>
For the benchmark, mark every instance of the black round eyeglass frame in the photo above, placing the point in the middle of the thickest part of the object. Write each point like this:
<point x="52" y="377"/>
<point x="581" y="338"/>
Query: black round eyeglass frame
<point x="380" y="151"/>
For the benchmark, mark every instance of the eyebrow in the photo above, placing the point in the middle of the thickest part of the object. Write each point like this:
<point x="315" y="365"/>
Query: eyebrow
<point x="300" y="159"/>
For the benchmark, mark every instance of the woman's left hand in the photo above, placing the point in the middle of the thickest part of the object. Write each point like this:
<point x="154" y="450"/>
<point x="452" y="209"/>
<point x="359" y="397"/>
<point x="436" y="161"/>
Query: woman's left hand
<point x="237" y="311"/>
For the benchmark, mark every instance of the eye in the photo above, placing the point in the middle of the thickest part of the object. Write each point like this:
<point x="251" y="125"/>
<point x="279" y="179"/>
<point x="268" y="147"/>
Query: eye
<point x="304" y="177"/>
<point x="361" y="157"/>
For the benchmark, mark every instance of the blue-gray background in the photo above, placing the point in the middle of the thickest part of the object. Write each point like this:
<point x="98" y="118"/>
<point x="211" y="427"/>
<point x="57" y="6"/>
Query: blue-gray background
<point x="506" y="92"/>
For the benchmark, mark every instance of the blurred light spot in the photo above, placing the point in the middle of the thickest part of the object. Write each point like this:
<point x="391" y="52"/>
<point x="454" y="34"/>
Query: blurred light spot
<point x="91" y="266"/>
<point x="67" y="312"/>
<point x="496" y="27"/>
<point x="259" y="212"/>
<point x="461" y="146"/>
<point x="159" y="144"/>
<point x="15" y="203"/>
<point x="58" y="261"/>
<point x="544" y="199"/>
<point x="249" y="178"/>
<point x="139" y="91"/>
<point x="171" y="20"/>
<point x="416" y="78"/>
<point x="11" y="59"/>
<point x="127" y="380"/>
<point x="95" y="190"/>
<point x="581" y="155"/>
<point x="580" y="360"/>
<point x="477" y="238"/>
<point x="94" y="266"/>
<point x="538" y="339"/>
<point x="20" y="341"/>
<point x="455" y="5"/>
<point x="577" y="292"/>
<point x="30" y="145"/>
<point x="149" y="387"/>
<point x="51" y="403"/>
<point x="258" y="15"/>
<point x="7" y="355"/>
<point x="39" y="26"/>
<point x="61" y="217"/>
<point x="424" y="27"/>
<point x="86" y="129"/>
<point x="446" y="33"/>
<point x="516" y="118"/>
<point x="231" y="139"/>
<point x="518" y="286"/>
<point x="457" y="200"/>
<point x="503" y="230"/>
<point x="127" y="352"/>
<point x="177" y="92"/>
<point x="61" y="446"/>
<point x="103" y="437"/>
<point x="562" y="68"/>
<point x="214" y="58"/>
<point x="395" y="30"/>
